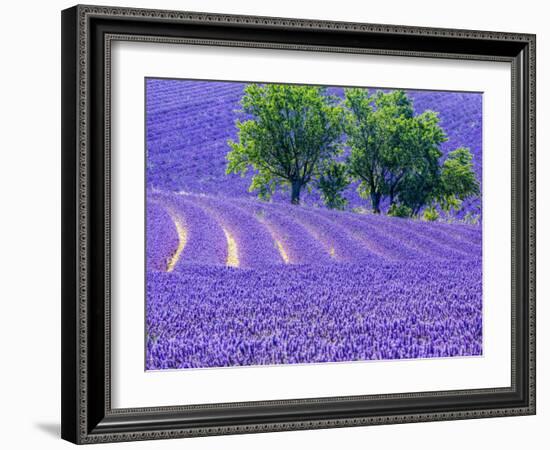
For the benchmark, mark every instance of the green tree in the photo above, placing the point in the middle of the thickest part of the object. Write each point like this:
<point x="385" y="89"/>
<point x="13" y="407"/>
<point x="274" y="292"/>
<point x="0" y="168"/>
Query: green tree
<point x="291" y="131"/>
<point x="430" y="214"/>
<point x="370" y="129"/>
<point x="458" y="179"/>
<point x="422" y="172"/>
<point x="394" y="153"/>
<point x="332" y="182"/>
<point x="396" y="210"/>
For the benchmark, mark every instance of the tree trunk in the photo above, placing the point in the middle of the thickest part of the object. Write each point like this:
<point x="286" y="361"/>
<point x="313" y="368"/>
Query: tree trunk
<point x="375" y="200"/>
<point x="295" y="195"/>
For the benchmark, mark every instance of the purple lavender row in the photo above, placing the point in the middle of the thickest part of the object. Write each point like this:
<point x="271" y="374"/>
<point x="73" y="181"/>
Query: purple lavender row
<point x="393" y="232"/>
<point x="469" y="233"/>
<point x="340" y="244"/>
<point x="205" y="240"/>
<point x="404" y="232"/>
<point x="254" y="245"/>
<point x="452" y="237"/>
<point x="434" y="236"/>
<point x="171" y="95"/>
<point x="297" y="241"/>
<point x="346" y="247"/>
<point x="161" y="237"/>
<point x="375" y="237"/>
<point x="276" y="234"/>
<point x="218" y="317"/>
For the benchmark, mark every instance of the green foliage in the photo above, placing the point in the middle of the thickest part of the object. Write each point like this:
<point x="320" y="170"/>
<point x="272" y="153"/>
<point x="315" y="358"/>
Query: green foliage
<point x="332" y="182"/>
<point x="292" y="139"/>
<point x="457" y="175"/>
<point x="419" y="184"/>
<point x="449" y="202"/>
<point x="293" y="130"/>
<point x="430" y="214"/>
<point x="471" y="219"/>
<point x="393" y="153"/>
<point x="396" y="210"/>
<point x="457" y="181"/>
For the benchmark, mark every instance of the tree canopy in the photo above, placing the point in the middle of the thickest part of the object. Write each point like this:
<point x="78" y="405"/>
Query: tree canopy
<point x="458" y="180"/>
<point x="290" y="132"/>
<point x="294" y="135"/>
<point x="332" y="182"/>
<point x="394" y="153"/>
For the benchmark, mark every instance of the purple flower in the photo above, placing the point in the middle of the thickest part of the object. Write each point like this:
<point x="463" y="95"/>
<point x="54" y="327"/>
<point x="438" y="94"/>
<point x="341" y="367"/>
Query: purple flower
<point x="353" y="287"/>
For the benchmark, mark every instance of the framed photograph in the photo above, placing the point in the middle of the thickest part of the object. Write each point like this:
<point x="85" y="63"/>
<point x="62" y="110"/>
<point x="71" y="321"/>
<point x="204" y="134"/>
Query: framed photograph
<point x="279" y="224"/>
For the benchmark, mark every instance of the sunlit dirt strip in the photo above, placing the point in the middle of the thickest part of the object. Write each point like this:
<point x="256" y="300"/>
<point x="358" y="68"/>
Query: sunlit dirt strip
<point x="313" y="231"/>
<point x="287" y="249"/>
<point x="318" y="234"/>
<point x="282" y="251"/>
<point x="369" y="243"/>
<point x="232" y="250"/>
<point x="232" y="247"/>
<point x="278" y="243"/>
<point x="182" y="238"/>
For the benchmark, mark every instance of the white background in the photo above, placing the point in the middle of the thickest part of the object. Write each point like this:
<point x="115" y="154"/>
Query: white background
<point x="133" y="387"/>
<point x="30" y="229"/>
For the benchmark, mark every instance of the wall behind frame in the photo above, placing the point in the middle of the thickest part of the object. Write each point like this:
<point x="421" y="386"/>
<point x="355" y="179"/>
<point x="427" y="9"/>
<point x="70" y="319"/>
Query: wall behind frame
<point x="31" y="210"/>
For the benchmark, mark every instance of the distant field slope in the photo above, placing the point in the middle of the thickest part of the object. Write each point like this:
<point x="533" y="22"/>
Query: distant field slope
<point x="189" y="123"/>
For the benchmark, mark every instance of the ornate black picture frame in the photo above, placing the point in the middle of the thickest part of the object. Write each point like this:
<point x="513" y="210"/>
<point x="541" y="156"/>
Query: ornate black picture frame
<point x="87" y="34"/>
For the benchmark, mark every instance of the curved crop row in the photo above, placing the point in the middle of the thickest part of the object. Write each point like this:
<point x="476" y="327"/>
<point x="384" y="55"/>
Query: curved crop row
<point x="254" y="243"/>
<point x="205" y="239"/>
<point x="251" y="234"/>
<point x="432" y="240"/>
<point x="375" y="237"/>
<point x="299" y="244"/>
<point x="336" y="239"/>
<point x="161" y="236"/>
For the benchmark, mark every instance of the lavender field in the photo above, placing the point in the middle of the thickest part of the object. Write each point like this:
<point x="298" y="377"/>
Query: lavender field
<point x="189" y="123"/>
<point x="234" y="281"/>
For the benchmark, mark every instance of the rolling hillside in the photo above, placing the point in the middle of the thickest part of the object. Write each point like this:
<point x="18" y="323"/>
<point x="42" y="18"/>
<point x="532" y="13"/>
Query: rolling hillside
<point x="235" y="281"/>
<point x="245" y="233"/>
<point x="189" y="123"/>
